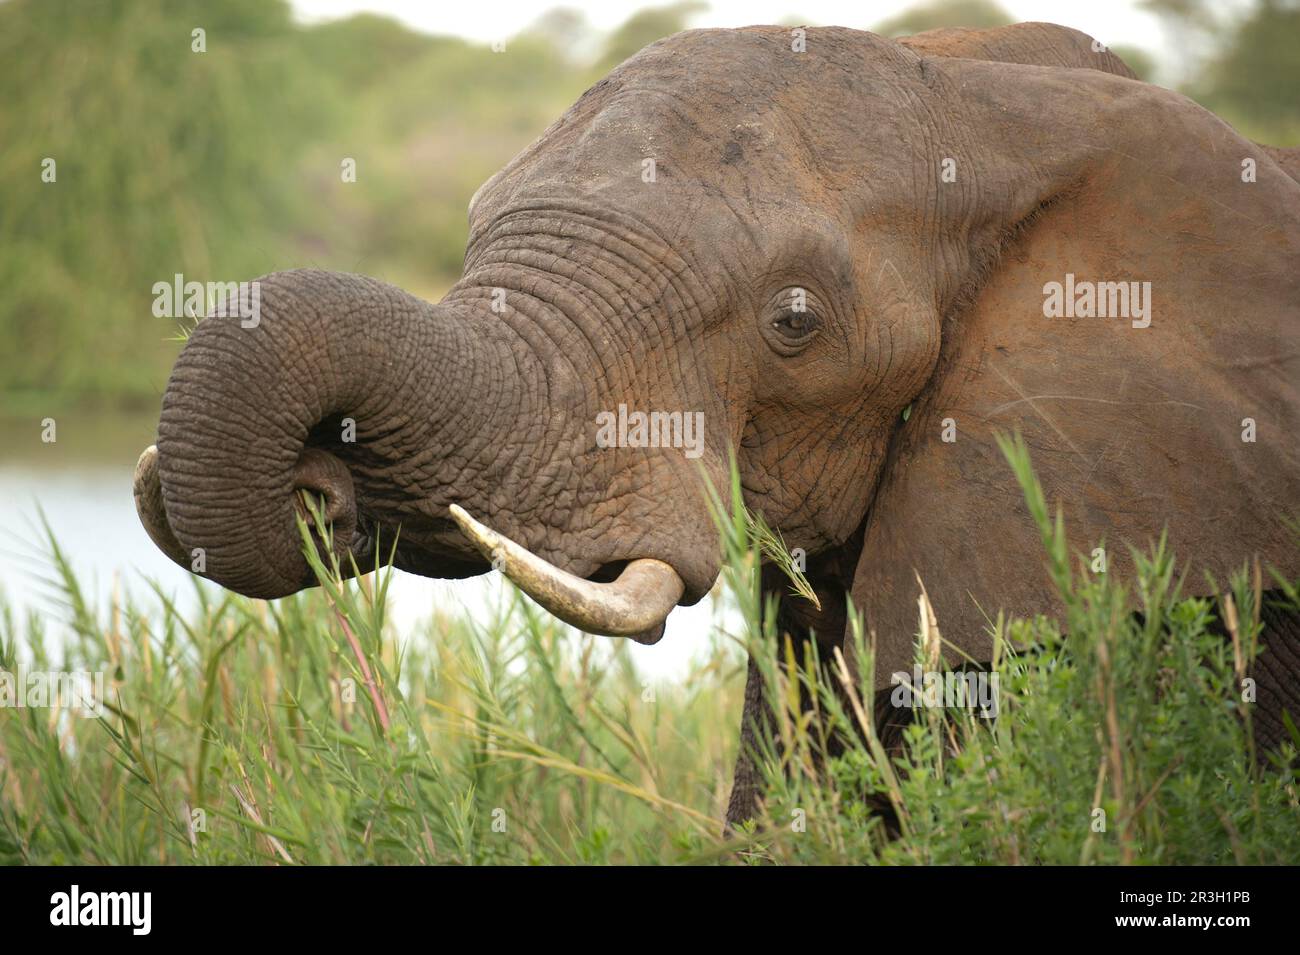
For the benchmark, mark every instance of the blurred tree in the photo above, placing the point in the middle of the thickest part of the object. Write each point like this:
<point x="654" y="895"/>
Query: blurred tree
<point x="165" y="160"/>
<point x="1241" y="61"/>
<point x="363" y="50"/>
<point x="225" y="164"/>
<point x="1195" y="30"/>
<point x="937" y="14"/>
<point x="1139" y="61"/>
<point x="646" y="26"/>
<point x="1258" y="74"/>
<point x="1196" y="14"/>
<point x="565" y="30"/>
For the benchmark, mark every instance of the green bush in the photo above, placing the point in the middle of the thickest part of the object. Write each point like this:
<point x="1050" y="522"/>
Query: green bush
<point x="226" y="164"/>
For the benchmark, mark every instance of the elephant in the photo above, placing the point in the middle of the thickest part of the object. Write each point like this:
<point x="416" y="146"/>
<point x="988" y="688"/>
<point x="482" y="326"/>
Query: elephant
<point x="852" y="260"/>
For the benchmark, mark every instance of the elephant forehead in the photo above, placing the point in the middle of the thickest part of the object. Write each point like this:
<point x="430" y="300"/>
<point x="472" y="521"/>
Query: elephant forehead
<point x="738" y="110"/>
<point x="720" y="182"/>
<point x="792" y="138"/>
<point x="642" y="137"/>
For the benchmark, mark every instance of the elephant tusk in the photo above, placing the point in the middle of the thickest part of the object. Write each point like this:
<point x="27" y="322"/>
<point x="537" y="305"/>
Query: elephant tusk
<point x="635" y="605"/>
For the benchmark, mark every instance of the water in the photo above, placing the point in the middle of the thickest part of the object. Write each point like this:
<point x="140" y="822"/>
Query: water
<point x="82" y="484"/>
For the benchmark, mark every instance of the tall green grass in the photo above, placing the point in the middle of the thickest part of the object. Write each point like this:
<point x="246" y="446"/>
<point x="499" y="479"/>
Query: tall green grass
<point x="309" y="732"/>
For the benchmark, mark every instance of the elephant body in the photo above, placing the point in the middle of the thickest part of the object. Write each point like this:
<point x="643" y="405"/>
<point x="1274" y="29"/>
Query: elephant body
<point x="838" y="253"/>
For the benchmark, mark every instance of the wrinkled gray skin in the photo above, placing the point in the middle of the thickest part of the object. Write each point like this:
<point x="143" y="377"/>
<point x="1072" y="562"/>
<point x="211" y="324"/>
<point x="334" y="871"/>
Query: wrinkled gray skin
<point x="775" y="170"/>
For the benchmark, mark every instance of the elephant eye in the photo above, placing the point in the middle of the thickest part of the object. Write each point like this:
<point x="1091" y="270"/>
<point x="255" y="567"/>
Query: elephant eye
<point x="796" y="326"/>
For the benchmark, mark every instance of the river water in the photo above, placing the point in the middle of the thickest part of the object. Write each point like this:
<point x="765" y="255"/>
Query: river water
<point x="81" y="482"/>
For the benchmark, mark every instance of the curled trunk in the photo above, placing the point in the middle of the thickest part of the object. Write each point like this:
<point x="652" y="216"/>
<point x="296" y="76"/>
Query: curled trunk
<point x="253" y="414"/>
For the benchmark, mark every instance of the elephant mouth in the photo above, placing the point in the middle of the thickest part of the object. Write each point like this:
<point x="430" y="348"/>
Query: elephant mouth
<point x="627" y="598"/>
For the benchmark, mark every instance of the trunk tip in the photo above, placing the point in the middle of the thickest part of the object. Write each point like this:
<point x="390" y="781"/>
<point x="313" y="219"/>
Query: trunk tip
<point x="147" y="490"/>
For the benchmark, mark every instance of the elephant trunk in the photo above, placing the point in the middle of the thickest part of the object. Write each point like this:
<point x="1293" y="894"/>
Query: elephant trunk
<point x="259" y="407"/>
<point x="399" y="414"/>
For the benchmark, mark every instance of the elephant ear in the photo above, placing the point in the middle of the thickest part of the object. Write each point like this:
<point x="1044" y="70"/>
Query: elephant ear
<point x="1184" y="418"/>
<point x="1037" y="44"/>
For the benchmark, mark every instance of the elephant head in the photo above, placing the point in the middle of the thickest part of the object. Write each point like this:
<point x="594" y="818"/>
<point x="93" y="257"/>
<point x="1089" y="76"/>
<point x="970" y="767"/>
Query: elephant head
<point x="832" y="248"/>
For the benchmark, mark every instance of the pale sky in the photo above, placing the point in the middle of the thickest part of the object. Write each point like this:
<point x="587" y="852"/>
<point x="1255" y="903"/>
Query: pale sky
<point x="1114" y="22"/>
